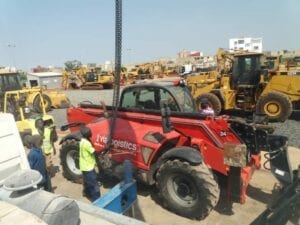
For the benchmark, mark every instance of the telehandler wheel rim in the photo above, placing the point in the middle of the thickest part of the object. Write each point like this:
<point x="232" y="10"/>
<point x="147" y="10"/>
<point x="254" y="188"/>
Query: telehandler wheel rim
<point x="183" y="190"/>
<point x="272" y="108"/>
<point x="72" y="160"/>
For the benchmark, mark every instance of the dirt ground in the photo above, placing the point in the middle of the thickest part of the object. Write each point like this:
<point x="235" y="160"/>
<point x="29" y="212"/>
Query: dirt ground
<point x="149" y="210"/>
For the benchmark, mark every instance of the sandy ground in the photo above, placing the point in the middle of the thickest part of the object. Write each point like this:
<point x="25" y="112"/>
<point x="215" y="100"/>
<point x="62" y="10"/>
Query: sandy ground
<point x="149" y="210"/>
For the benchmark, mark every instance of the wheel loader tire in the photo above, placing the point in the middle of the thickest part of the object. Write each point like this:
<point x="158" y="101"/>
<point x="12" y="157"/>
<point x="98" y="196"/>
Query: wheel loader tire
<point x="37" y="105"/>
<point x="190" y="191"/>
<point x="213" y="100"/>
<point x="69" y="160"/>
<point x="277" y="106"/>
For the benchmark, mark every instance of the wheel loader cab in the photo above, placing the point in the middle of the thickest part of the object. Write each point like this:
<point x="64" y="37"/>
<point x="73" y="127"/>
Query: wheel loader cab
<point x="246" y="70"/>
<point x="245" y="79"/>
<point x="10" y="81"/>
<point x="91" y="77"/>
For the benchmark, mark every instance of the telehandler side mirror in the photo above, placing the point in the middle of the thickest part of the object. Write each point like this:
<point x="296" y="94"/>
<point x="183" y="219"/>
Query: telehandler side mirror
<point x="165" y="116"/>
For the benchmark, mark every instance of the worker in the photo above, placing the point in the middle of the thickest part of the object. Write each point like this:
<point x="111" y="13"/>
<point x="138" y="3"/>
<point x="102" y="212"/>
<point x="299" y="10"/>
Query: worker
<point x="37" y="162"/>
<point x="205" y="108"/>
<point x="87" y="163"/>
<point x="48" y="132"/>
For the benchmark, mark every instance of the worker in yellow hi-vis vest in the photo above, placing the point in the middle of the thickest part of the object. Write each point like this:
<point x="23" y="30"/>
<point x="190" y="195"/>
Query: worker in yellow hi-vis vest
<point x="48" y="132"/>
<point x="87" y="163"/>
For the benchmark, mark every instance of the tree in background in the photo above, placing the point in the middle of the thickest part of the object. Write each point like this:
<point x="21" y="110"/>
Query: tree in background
<point x="72" y="65"/>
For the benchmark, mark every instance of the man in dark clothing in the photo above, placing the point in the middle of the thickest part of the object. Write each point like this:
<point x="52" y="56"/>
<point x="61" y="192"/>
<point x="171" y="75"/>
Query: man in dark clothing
<point x="37" y="161"/>
<point x="49" y="137"/>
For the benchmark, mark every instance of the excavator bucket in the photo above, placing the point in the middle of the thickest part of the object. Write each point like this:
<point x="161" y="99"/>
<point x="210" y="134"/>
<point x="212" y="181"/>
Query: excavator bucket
<point x="58" y="99"/>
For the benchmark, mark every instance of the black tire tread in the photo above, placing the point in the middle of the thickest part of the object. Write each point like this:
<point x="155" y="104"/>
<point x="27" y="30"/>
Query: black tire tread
<point x="286" y="105"/>
<point x="37" y="106"/>
<point x="63" y="152"/>
<point x="209" y="187"/>
<point x="214" y="101"/>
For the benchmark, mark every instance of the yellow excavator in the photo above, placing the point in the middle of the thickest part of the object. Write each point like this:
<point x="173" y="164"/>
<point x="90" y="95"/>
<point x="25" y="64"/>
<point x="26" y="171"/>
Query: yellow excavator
<point x="87" y="78"/>
<point x="10" y="81"/>
<point x="240" y="83"/>
<point x="95" y="79"/>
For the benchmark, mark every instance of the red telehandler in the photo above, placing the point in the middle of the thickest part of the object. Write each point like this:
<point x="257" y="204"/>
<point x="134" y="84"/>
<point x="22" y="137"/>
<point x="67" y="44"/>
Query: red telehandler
<point x="157" y="127"/>
<point x="173" y="146"/>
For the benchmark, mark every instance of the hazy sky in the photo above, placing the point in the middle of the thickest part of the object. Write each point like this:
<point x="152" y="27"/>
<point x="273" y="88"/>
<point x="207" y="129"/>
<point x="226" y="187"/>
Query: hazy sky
<point x="50" y="32"/>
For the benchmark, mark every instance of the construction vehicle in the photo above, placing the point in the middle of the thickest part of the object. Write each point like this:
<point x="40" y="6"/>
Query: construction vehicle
<point x="171" y="145"/>
<point x="240" y="83"/>
<point x="285" y="64"/>
<point x="91" y="78"/>
<point x="157" y="127"/>
<point x="16" y="103"/>
<point x="140" y="72"/>
<point x="94" y="79"/>
<point x="10" y="81"/>
<point x="73" y="78"/>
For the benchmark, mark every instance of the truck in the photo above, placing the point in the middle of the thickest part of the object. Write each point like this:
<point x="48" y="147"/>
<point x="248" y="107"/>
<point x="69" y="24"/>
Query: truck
<point x="241" y="83"/>
<point x="172" y="146"/>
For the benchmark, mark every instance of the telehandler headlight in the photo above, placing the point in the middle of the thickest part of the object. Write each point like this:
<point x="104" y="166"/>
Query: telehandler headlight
<point x="235" y="154"/>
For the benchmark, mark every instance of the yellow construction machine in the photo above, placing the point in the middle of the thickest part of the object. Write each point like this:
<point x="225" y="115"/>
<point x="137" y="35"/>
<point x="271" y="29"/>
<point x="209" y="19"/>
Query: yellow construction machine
<point x="240" y="83"/>
<point x="91" y="78"/>
<point x="73" y="78"/>
<point x="97" y="79"/>
<point x="16" y="103"/>
<point x="283" y="64"/>
<point x="141" y="72"/>
<point x="10" y="81"/>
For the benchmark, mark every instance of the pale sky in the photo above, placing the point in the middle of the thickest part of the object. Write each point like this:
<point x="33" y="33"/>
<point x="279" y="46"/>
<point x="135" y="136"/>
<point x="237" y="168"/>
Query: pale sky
<point x="50" y="32"/>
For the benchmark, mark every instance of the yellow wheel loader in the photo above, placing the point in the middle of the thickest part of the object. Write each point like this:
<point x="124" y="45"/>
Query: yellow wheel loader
<point x="240" y="83"/>
<point x="16" y="103"/>
<point x="10" y="81"/>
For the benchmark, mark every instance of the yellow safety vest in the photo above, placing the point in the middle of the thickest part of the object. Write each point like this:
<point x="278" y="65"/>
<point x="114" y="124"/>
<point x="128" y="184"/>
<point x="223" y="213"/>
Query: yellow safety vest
<point x="87" y="159"/>
<point x="47" y="145"/>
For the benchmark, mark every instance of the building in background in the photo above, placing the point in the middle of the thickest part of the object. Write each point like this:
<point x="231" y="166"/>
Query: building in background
<point x="52" y="80"/>
<point x="108" y="66"/>
<point x="245" y="44"/>
<point x="186" y="57"/>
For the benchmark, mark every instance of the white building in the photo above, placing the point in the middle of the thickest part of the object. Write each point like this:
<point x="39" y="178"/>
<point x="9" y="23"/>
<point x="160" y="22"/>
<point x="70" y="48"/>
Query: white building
<point x="245" y="43"/>
<point x="51" y="80"/>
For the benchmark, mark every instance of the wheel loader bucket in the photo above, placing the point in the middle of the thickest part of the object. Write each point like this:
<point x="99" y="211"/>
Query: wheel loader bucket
<point x="58" y="99"/>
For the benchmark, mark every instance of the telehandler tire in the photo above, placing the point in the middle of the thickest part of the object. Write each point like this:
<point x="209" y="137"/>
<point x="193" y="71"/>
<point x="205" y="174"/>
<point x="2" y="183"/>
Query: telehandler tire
<point x="277" y="106"/>
<point x="213" y="100"/>
<point x="187" y="190"/>
<point x="37" y="105"/>
<point x="69" y="160"/>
